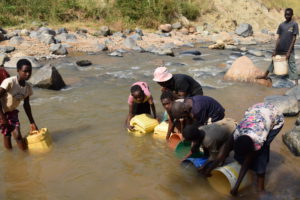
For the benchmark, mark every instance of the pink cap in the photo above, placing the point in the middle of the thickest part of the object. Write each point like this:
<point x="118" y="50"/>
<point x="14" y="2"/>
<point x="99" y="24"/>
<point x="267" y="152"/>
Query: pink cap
<point x="161" y="74"/>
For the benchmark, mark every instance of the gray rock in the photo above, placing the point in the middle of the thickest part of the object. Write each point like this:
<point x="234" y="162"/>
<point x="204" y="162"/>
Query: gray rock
<point x="136" y="37"/>
<point x="34" y="34"/>
<point x="17" y="32"/>
<point x="6" y="49"/>
<point x="47" y="77"/>
<point x="13" y="62"/>
<point x="16" y="40"/>
<point x="257" y="53"/>
<point x="3" y="31"/>
<point x="119" y="34"/>
<point x="101" y="47"/>
<point x="191" y="52"/>
<point x="244" y="30"/>
<point x="81" y="31"/>
<point x="295" y="91"/>
<point x="65" y="37"/>
<point x="46" y="38"/>
<point x="264" y="31"/>
<point x="3" y="58"/>
<point x="231" y="47"/>
<point x="45" y="30"/>
<point x="58" y="49"/>
<point x="281" y="82"/>
<point x="292" y="140"/>
<point x="105" y="31"/>
<point x="122" y="50"/>
<point x="4" y="37"/>
<point x="170" y="45"/>
<point x="116" y="54"/>
<point x="165" y="34"/>
<point x="165" y="28"/>
<point x="61" y="30"/>
<point x="129" y="43"/>
<point x="139" y="31"/>
<point x="176" y="25"/>
<point x="189" y="44"/>
<point x="83" y="63"/>
<point x="288" y="105"/>
<point x="163" y="51"/>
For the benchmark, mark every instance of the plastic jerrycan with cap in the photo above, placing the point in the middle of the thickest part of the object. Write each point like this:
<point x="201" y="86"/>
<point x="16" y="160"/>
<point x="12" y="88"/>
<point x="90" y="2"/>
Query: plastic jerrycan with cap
<point x="142" y="124"/>
<point x="39" y="140"/>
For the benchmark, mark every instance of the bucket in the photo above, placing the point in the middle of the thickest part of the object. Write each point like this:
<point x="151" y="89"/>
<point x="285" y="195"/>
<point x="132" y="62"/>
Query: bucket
<point x="143" y="124"/>
<point x="160" y="131"/>
<point x="183" y="148"/>
<point x="39" y="140"/>
<point x="174" y="139"/>
<point x="280" y="65"/>
<point x="195" y="162"/>
<point x="224" y="178"/>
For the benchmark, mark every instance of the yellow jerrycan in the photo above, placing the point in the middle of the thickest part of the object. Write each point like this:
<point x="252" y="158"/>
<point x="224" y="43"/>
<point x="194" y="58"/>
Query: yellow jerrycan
<point x="39" y="140"/>
<point x="142" y="124"/>
<point x="160" y="131"/>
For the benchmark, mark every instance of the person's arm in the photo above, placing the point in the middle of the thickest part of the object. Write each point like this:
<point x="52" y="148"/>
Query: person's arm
<point x="129" y="117"/>
<point x="244" y="168"/>
<point x="291" y="47"/>
<point x="170" y="127"/>
<point x="221" y="157"/>
<point x="152" y="107"/>
<point x="27" y="109"/>
<point x="3" y="117"/>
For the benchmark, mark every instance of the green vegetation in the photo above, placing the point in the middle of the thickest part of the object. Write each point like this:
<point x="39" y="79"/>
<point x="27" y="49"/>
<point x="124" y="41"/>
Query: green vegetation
<point x="147" y="13"/>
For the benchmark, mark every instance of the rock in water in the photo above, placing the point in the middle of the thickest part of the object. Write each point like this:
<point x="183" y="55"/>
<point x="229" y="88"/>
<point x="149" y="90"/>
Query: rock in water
<point x="83" y="63"/>
<point x="288" y="105"/>
<point x="292" y="140"/>
<point x="244" y="70"/>
<point x="48" y="77"/>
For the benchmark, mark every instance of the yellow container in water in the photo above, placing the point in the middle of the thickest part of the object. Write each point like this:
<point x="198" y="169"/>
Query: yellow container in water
<point x="160" y="131"/>
<point x="143" y="124"/>
<point x="224" y="178"/>
<point x="39" y="140"/>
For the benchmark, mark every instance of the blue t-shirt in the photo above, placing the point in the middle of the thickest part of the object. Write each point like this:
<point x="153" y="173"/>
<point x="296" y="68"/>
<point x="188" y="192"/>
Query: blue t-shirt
<point x="286" y="31"/>
<point x="205" y="107"/>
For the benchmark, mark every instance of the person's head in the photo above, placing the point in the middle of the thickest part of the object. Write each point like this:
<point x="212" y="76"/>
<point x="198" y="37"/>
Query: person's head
<point x="179" y="110"/>
<point x="288" y="14"/>
<point x="24" y="69"/>
<point x="163" y="77"/>
<point x="167" y="98"/>
<point x="192" y="133"/>
<point x="137" y="93"/>
<point x="243" y="145"/>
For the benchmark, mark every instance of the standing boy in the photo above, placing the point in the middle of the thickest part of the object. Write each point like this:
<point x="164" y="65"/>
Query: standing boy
<point x="287" y="33"/>
<point x="12" y="91"/>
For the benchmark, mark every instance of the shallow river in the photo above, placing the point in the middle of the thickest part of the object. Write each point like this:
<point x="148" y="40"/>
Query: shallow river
<point x="93" y="157"/>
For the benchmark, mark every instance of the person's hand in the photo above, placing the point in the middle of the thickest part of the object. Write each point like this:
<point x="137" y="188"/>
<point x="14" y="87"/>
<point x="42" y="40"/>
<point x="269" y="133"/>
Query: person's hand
<point x="167" y="137"/>
<point x="233" y="191"/>
<point x="33" y="127"/>
<point x="131" y="128"/>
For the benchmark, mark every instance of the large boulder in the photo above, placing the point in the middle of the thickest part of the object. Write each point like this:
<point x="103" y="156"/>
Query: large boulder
<point x="223" y="36"/>
<point x="13" y="62"/>
<point x="295" y="91"/>
<point x="292" y="140"/>
<point x="48" y="77"/>
<point x="244" y="30"/>
<point x="24" y="32"/>
<point x="61" y="30"/>
<point x="45" y="30"/>
<point x="58" y="49"/>
<point x="243" y="69"/>
<point x="65" y="37"/>
<point x="6" y="49"/>
<point x="104" y="31"/>
<point x="176" y="25"/>
<point x="46" y="38"/>
<point x="288" y="105"/>
<point x="16" y="40"/>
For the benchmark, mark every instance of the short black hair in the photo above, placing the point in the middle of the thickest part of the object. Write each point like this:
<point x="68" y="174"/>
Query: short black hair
<point x="289" y="9"/>
<point x="178" y="110"/>
<point x="167" y="95"/>
<point x="243" y="145"/>
<point x="191" y="132"/>
<point x="23" y="62"/>
<point x="135" y="88"/>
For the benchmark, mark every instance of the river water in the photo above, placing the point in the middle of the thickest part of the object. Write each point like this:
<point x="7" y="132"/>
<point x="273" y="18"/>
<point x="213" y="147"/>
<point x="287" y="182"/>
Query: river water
<point x="93" y="157"/>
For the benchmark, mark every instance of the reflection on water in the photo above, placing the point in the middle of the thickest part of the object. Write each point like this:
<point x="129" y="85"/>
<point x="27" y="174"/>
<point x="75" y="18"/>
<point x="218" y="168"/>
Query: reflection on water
<point x="93" y="157"/>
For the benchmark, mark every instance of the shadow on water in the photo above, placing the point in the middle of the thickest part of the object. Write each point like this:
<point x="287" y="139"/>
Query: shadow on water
<point x="64" y="134"/>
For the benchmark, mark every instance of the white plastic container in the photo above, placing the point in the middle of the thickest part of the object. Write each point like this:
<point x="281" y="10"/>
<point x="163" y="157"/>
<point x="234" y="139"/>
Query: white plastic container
<point x="280" y="65"/>
<point x="223" y="178"/>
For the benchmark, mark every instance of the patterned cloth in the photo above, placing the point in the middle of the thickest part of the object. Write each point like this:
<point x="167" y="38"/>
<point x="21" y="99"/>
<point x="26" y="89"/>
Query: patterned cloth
<point x="258" y="121"/>
<point x="13" y="122"/>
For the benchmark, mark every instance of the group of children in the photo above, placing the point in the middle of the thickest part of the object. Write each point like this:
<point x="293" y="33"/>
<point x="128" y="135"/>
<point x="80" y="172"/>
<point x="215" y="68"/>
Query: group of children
<point x="201" y="121"/>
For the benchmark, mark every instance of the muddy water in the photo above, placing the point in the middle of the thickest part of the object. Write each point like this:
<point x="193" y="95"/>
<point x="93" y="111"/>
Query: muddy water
<point x="93" y="157"/>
